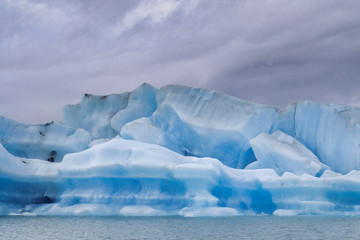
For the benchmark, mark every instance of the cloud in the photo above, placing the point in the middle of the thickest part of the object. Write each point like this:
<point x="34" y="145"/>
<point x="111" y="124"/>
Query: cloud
<point x="274" y="52"/>
<point x="156" y="10"/>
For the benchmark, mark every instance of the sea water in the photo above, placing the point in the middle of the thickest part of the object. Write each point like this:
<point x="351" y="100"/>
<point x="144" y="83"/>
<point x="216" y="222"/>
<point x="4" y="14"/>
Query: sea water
<point x="247" y="227"/>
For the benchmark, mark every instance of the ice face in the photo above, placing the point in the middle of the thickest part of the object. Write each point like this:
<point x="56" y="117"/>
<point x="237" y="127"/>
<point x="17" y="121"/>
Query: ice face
<point x="141" y="104"/>
<point x="25" y="182"/>
<point x="94" y="113"/>
<point x="203" y="123"/>
<point x="182" y="151"/>
<point x="104" y="116"/>
<point x="331" y="132"/>
<point x="284" y="153"/>
<point x="50" y="141"/>
<point x="125" y="177"/>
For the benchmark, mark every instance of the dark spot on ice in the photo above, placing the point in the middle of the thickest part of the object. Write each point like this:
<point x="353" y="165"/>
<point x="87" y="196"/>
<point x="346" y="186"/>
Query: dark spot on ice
<point x="24" y="161"/>
<point x="46" y="199"/>
<point x="187" y="152"/>
<point x="41" y="133"/>
<point x="48" y="123"/>
<point x="87" y="95"/>
<point x="103" y="97"/>
<point x="52" y="156"/>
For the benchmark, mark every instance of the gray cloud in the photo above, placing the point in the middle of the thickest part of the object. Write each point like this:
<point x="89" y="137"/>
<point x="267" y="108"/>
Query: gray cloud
<point x="275" y="52"/>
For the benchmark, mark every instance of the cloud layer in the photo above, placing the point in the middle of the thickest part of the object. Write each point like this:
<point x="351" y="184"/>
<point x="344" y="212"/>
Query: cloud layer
<point x="272" y="51"/>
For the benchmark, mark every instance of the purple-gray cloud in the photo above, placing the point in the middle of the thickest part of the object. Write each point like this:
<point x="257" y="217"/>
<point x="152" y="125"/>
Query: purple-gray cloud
<point x="273" y="51"/>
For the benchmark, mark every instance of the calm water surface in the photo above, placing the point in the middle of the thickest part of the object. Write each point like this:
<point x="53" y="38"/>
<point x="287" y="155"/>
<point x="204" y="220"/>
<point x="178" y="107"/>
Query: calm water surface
<point x="252" y="227"/>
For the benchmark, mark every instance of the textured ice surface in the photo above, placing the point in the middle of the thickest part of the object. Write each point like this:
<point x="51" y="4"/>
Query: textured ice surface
<point x="125" y="177"/>
<point x="25" y="182"/>
<point x="50" y="141"/>
<point x="331" y="132"/>
<point x="183" y="151"/>
<point x="141" y="104"/>
<point x="284" y="153"/>
<point x="203" y="123"/>
<point x="103" y="116"/>
<point x="94" y="113"/>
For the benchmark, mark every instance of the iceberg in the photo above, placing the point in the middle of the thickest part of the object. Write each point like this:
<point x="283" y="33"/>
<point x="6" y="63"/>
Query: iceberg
<point x="183" y="151"/>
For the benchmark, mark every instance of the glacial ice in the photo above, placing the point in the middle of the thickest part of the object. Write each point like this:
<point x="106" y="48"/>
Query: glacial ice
<point x="330" y="131"/>
<point x="49" y="141"/>
<point x="183" y="151"/>
<point x="203" y="123"/>
<point x="94" y="113"/>
<point x="284" y="153"/>
<point x="104" y="116"/>
<point x="141" y="104"/>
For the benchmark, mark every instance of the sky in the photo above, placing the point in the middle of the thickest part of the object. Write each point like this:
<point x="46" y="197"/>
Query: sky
<point x="274" y="52"/>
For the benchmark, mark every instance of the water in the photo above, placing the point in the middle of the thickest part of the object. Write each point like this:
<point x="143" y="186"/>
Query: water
<point x="250" y="227"/>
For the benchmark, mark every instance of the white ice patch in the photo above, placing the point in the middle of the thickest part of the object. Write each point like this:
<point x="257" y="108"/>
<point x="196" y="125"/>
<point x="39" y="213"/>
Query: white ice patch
<point x="284" y="153"/>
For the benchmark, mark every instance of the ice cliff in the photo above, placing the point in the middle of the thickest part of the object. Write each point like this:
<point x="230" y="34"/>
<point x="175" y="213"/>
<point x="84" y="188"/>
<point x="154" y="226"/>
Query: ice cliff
<point x="183" y="151"/>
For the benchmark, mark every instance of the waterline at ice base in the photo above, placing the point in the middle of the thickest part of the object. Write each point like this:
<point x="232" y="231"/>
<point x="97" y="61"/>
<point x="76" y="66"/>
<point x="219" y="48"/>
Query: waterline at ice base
<point x="183" y="151"/>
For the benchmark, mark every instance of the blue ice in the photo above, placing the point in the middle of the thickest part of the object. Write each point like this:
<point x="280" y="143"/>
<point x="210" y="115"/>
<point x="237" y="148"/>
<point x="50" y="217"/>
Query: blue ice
<point x="183" y="151"/>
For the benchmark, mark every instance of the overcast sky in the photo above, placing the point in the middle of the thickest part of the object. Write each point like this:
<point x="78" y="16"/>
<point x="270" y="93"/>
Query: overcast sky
<point x="273" y="52"/>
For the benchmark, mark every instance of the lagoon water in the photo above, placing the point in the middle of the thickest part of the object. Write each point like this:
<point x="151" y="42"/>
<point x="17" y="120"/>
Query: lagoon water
<point x="246" y="227"/>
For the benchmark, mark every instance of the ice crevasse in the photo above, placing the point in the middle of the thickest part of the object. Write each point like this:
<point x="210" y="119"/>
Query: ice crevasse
<point x="182" y="151"/>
